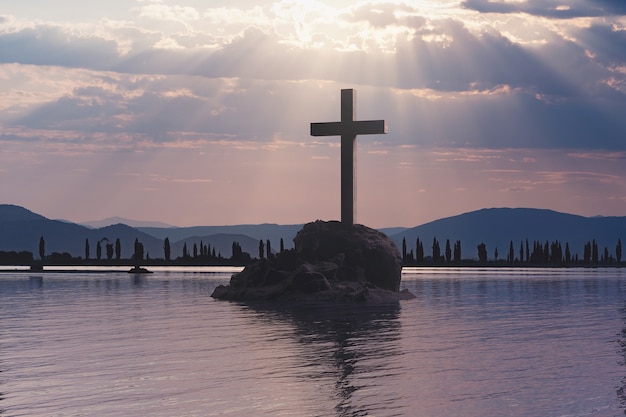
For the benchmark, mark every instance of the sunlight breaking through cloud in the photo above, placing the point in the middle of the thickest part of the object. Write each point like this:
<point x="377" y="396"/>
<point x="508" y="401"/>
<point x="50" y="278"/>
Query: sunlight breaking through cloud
<point x="526" y="96"/>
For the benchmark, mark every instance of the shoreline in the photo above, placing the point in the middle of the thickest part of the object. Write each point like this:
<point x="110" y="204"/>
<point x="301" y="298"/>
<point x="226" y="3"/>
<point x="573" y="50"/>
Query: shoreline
<point x="87" y="269"/>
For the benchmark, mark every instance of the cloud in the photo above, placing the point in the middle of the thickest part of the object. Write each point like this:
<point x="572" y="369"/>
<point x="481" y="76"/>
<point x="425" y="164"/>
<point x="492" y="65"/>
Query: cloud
<point x="607" y="43"/>
<point x="161" y="11"/>
<point x="380" y="15"/>
<point x="439" y="81"/>
<point x="51" y="45"/>
<point x="550" y="8"/>
<point x="418" y="53"/>
<point x="579" y="177"/>
<point x="516" y="189"/>
<point x="600" y="156"/>
<point x="166" y="109"/>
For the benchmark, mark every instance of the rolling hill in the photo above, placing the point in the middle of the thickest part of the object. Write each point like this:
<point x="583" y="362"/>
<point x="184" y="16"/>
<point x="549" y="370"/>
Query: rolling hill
<point x="221" y="242"/>
<point x="497" y="227"/>
<point x="20" y="230"/>
<point x="273" y="232"/>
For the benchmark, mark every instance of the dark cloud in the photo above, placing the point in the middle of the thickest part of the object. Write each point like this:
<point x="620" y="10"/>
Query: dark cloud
<point x="495" y="93"/>
<point x="162" y="107"/>
<point x="89" y="109"/>
<point x="19" y="138"/>
<point x="255" y="110"/>
<point x="513" y="120"/>
<point x="576" y="123"/>
<point x="606" y="43"/>
<point x="444" y="55"/>
<point x="49" y="45"/>
<point x="469" y="62"/>
<point x="551" y="8"/>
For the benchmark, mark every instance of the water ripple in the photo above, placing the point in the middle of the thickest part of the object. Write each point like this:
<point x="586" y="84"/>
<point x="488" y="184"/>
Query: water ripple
<point x="515" y="343"/>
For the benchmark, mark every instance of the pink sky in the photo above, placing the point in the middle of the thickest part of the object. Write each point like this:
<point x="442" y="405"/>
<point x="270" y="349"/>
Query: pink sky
<point x="178" y="112"/>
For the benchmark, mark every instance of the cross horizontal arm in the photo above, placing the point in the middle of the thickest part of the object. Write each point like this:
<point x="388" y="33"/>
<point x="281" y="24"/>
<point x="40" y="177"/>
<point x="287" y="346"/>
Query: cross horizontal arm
<point x="364" y="127"/>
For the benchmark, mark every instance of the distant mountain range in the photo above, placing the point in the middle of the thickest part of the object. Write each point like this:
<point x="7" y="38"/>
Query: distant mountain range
<point x="96" y="224"/>
<point x="20" y="230"/>
<point x="498" y="227"/>
<point x="273" y="232"/>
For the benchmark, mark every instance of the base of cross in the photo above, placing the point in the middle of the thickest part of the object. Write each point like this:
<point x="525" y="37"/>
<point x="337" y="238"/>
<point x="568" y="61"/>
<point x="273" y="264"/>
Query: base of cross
<point x="331" y="261"/>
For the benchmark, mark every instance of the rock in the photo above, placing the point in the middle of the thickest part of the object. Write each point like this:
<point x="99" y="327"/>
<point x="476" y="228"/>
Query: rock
<point x="139" y="270"/>
<point x="331" y="261"/>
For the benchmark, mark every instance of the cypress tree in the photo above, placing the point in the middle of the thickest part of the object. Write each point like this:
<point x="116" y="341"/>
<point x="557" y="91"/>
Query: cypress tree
<point x="421" y="252"/>
<point x="482" y="252"/>
<point x="404" y="249"/>
<point x="138" y="256"/>
<point x="42" y="247"/>
<point x="166" y="249"/>
<point x="587" y="252"/>
<point x="436" y="250"/>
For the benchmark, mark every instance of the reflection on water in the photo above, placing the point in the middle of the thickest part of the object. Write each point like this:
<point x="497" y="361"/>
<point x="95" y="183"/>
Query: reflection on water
<point x="345" y="342"/>
<point x="138" y="280"/>
<point x="621" y="341"/>
<point x="535" y="342"/>
<point x="35" y="282"/>
<point x="519" y="343"/>
<point x="2" y="410"/>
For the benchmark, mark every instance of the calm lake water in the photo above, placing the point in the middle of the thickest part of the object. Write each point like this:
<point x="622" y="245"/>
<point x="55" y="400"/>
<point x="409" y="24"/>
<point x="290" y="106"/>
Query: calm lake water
<point x="475" y="342"/>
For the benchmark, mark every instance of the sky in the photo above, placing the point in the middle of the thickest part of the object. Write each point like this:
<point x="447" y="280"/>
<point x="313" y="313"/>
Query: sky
<point x="194" y="112"/>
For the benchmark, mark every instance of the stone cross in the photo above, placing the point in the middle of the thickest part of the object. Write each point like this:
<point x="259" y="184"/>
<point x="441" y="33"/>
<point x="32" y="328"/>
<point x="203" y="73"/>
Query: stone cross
<point x="348" y="128"/>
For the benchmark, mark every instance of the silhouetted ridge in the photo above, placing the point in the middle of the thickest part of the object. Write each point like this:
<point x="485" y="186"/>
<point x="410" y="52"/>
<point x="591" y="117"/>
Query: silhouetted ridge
<point x="497" y="227"/>
<point x="10" y="213"/>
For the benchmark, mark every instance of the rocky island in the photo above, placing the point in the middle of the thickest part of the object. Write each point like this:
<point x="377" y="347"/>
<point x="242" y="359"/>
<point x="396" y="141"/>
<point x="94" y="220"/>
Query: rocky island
<point x="331" y="261"/>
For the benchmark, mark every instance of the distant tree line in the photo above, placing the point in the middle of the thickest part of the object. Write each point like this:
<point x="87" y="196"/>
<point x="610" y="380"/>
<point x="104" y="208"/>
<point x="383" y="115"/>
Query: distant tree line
<point x="200" y="254"/>
<point x="538" y="254"/>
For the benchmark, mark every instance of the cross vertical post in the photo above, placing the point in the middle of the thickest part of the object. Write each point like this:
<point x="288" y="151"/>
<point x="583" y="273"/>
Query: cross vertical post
<point x="348" y="128"/>
<point x="348" y="162"/>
